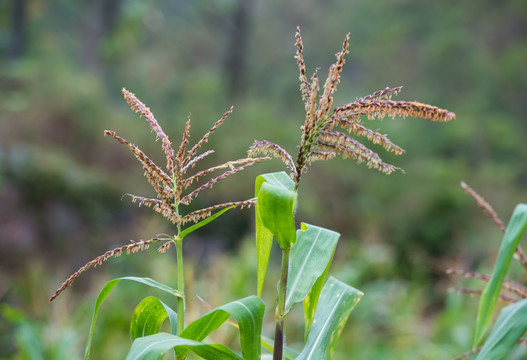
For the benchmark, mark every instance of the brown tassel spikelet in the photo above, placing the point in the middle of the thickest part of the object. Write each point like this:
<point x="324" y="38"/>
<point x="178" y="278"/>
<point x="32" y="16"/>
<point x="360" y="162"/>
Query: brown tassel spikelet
<point x="184" y="141"/>
<point x="304" y="84"/>
<point x="509" y="286"/>
<point x="380" y="108"/>
<point x="355" y="127"/>
<point x="268" y="148"/>
<point x="511" y="291"/>
<point x="332" y="81"/>
<point x="198" y="215"/>
<point x="484" y="205"/>
<point x="158" y="178"/>
<point x="188" y="198"/>
<point x="139" y="107"/>
<point x="230" y="164"/>
<point x="487" y="208"/>
<point x="505" y="298"/>
<point x="170" y="183"/>
<point x="195" y="160"/>
<point x="322" y="137"/>
<point x="205" y="137"/>
<point x="169" y="187"/>
<point x="134" y="247"/>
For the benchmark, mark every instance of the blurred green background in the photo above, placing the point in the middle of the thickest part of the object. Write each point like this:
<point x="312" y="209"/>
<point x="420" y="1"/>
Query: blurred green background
<point x="63" y="64"/>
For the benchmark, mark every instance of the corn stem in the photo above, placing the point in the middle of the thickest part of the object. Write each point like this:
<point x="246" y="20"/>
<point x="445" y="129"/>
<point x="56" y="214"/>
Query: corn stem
<point x="280" y="308"/>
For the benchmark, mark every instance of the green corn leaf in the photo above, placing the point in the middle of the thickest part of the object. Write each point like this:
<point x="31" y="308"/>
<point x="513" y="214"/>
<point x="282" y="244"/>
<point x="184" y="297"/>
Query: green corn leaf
<point x="202" y="223"/>
<point x="310" y="256"/>
<point x="490" y="295"/>
<point x="268" y="343"/>
<point x="154" y="347"/>
<point x="276" y="205"/>
<point x="337" y="299"/>
<point x="264" y="242"/>
<point x="289" y="354"/>
<point x="509" y="328"/>
<point x="248" y="312"/>
<point x="264" y="237"/>
<point x="107" y="289"/>
<point x="311" y="301"/>
<point x="148" y="317"/>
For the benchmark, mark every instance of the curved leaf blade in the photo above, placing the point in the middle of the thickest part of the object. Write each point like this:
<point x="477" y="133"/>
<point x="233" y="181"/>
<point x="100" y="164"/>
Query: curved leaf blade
<point x="248" y="312"/>
<point x="310" y="303"/>
<point x="509" y="328"/>
<point x="264" y="237"/>
<point x="310" y="256"/>
<point x="276" y="206"/>
<point x="336" y="302"/>
<point x="107" y="289"/>
<point x="148" y="317"/>
<point x="489" y="298"/>
<point x="203" y="222"/>
<point x="154" y="347"/>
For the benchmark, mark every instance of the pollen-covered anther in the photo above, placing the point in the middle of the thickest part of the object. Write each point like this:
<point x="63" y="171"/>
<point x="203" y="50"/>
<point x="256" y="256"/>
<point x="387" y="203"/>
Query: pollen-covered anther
<point x="320" y="155"/>
<point x="163" y="248"/>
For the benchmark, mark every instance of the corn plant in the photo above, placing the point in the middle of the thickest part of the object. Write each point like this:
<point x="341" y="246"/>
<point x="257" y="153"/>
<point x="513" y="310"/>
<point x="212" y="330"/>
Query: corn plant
<point x="169" y="185"/>
<point x="511" y="323"/>
<point x="307" y="252"/>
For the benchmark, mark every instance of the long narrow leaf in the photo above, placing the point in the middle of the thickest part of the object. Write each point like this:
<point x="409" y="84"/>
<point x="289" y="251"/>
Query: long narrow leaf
<point x="490" y="295"/>
<point x="203" y="222"/>
<point x="310" y="256"/>
<point x="154" y="347"/>
<point x="148" y="317"/>
<point x="107" y="289"/>
<point x="336" y="302"/>
<point x="510" y="326"/>
<point x="311" y="301"/>
<point x="248" y="312"/>
<point x="264" y="237"/>
<point x="268" y="343"/>
<point x="264" y="243"/>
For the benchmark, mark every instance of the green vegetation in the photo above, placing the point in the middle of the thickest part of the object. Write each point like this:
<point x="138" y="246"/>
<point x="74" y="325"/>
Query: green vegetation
<point x="62" y="184"/>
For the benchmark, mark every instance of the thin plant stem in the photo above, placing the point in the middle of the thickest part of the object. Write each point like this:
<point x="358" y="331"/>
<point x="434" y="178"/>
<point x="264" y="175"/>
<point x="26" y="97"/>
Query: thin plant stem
<point x="180" y="287"/>
<point x="180" y="307"/>
<point x="280" y="308"/>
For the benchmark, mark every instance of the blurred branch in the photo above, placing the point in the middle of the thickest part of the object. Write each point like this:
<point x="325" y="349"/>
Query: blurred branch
<point x="237" y="51"/>
<point x="17" y="41"/>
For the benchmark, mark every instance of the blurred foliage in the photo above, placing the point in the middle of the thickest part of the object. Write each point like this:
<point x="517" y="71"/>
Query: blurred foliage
<point x="62" y="65"/>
